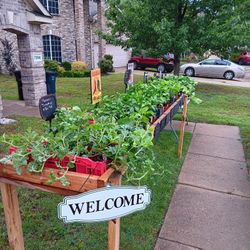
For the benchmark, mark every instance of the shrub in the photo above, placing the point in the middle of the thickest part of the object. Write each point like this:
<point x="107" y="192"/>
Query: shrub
<point x="108" y="57"/>
<point x="105" y="66"/>
<point x="234" y="57"/>
<point x="66" y="65"/>
<point x="75" y="74"/>
<point x="50" y="65"/>
<point x="60" y="70"/>
<point x="79" y="66"/>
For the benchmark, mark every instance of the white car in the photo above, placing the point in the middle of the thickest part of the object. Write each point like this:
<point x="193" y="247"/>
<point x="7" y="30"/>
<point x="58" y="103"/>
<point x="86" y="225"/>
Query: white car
<point x="216" y="68"/>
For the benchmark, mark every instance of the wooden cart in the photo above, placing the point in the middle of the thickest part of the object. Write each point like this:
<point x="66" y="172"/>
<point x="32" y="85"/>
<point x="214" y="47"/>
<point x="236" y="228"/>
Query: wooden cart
<point x="79" y="183"/>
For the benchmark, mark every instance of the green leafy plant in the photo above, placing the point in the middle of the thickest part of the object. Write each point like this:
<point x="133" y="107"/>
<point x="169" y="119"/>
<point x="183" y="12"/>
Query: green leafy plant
<point x="119" y="131"/>
<point x="105" y="66"/>
<point x="78" y="66"/>
<point x="66" y="65"/>
<point x="50" y="65"/>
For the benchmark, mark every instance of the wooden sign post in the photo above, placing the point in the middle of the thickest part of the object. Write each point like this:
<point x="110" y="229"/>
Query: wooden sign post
<point x="182" y="127"/>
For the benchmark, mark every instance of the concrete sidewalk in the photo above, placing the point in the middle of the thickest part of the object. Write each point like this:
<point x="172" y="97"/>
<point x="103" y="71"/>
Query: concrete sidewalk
<point x="210" y="208"/>
<point x="13" y="107"/>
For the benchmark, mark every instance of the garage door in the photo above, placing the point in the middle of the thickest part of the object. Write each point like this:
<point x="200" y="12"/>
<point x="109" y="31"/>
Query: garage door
<point x="120" y="56"/>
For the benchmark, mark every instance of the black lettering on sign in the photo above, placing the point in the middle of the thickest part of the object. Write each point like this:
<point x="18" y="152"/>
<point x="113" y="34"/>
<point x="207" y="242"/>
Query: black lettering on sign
<point x="76" y="208"/>
<point x="47" y="107"/>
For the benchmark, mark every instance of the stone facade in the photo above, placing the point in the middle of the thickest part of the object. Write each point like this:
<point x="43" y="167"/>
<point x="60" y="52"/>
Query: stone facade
<point x="74" y="25"/>
<point x="26" y="21"/>
<point x="76" y="28"/>
<point x="26" y="27"/>
<point x="63" y="26"/>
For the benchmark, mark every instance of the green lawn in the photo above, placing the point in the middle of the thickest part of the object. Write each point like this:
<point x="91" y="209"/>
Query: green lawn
<point x="42" y="229"/>
<point x="69" y="91"/>
<point x="224" y="105"/>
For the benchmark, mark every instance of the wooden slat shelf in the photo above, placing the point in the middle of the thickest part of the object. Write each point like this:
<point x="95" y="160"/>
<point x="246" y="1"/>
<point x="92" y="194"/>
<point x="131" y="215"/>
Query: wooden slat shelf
<point x="165" y="113"/>
<point x="79" y="182"/>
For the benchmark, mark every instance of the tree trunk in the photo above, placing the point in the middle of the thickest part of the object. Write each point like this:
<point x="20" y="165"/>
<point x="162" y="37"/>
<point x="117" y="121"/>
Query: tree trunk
<point x="176" y="64"/>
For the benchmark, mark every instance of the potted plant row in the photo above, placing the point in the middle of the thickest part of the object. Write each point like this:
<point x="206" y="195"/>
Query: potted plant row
<point x="117" y="133"/>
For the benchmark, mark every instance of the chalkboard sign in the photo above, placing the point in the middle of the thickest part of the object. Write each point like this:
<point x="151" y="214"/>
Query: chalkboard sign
<point x="47" y="107"/>
<point x="126" y="76"/>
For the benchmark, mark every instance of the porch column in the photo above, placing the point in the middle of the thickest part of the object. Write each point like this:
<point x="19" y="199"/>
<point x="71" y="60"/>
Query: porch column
<point x="80" y="28"/>
<point x="101" y="24"/>
<point x="31" y="63"/>
<point x="87" y="34"/>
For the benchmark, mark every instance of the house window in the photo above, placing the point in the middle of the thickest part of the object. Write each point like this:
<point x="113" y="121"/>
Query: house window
<point x="51" y="5"/>
<point x="52" y="48"/>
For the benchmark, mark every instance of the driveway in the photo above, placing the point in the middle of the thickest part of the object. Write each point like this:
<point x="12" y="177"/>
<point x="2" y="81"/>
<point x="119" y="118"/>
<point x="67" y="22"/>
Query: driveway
<point x="235" y="82"/>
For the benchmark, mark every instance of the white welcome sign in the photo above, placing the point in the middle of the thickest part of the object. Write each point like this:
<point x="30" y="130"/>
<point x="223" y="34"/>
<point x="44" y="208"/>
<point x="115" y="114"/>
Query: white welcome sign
<point x="104" y="204"/>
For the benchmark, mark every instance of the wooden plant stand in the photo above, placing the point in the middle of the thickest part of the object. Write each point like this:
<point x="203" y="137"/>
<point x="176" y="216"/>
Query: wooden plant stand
<point x="79" y="183"/>
<point x="183" y="121"/>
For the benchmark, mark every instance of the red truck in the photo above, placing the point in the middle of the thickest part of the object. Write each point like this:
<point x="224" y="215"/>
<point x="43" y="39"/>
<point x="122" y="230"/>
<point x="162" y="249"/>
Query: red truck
<point x="162" y="65"/>
<point x="244" y="58"/>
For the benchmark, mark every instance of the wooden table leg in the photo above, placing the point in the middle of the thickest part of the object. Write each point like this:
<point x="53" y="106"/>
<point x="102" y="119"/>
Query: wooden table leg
<point x="114" y="225"/>
<point x="12" y="216"/>
<point x="182" y="128"/>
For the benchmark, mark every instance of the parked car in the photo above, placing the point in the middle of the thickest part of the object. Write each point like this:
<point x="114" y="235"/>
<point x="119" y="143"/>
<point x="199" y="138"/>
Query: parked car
<point x="244" y="58"/>
<point x="161" y="64"/>
<point x="214" y="68"/>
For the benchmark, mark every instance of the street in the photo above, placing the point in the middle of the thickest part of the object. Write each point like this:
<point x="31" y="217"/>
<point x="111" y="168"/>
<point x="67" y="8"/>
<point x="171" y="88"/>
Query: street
<point x="245" y="82"/>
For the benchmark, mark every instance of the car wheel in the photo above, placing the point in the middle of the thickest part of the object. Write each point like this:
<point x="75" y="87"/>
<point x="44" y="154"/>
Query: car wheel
<point x="161" y="68"/>
<point x="241" y="62"/>
<point x="229" y="75"/>
<point x="189" y="72"/>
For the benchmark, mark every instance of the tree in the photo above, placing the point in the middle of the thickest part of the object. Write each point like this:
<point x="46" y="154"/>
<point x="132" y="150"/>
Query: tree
<point x="178" y="26"/>
<point x="8" y="51"/>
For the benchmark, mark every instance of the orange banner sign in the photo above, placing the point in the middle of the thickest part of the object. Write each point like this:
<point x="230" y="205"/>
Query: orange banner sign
<point x="95" y="86"/>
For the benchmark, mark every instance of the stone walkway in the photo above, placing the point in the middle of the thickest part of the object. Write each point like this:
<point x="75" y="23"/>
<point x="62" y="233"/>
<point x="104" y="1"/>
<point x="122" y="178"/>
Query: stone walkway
<point x="210" y="208"/>
<point x="11" y="107"/>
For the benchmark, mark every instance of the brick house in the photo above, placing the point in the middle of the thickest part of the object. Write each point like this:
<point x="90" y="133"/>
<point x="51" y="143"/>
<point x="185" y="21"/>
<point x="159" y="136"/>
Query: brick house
<point x="62" y="30"/>
<point x="71" y="35"/>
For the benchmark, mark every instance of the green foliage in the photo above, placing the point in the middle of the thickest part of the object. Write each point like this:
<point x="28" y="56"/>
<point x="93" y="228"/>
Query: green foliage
<point x="78" y="66"/>
<point x="108" y="57"/>
<point x="105" y="66"/>
<point x="85" y="73"/>
<point x="53" y="234"/>
<point x="178" y="26"/>
<point x="120" y="133"/>
<point x="234" y="57"/>
<point x="8" y="55"/>
<point x="66" y="65"/>
<point x="50" y="65"/>
<point x="60" y="71"/>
